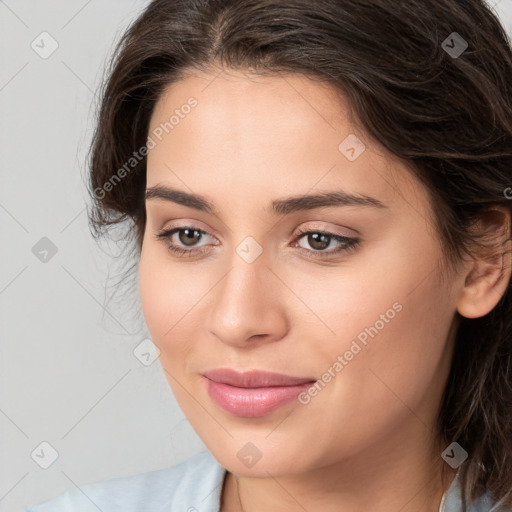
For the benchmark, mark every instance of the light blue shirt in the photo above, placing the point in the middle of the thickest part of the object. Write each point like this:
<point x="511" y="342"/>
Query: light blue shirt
<point x="195" y="485"/>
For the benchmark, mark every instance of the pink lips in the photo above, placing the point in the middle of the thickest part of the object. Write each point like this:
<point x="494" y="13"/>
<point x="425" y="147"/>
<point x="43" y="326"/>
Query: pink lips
<point x="253" y="393"/>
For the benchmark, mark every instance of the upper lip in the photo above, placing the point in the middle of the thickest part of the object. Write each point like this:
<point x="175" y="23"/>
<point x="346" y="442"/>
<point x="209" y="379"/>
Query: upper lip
<point x="253" y="378"/>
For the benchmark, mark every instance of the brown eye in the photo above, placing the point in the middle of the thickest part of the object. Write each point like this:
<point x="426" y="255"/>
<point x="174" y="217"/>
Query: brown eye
<point x="319" y="241"/>
<point x="189" y="236"/>
<point x="184" y="241"/>
<point x="313" y="244"/>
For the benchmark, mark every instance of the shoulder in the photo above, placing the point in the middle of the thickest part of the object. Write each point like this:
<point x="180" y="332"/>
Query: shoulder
<point x="194" y="485"/>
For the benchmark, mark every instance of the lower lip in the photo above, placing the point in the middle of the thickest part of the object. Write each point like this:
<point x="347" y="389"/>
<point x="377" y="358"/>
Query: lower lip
<point x="251" y="402"/>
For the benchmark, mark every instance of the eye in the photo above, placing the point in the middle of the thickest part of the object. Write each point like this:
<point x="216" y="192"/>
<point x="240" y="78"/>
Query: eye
<point x="188" y="236"/>
<point x="321" y="240"/>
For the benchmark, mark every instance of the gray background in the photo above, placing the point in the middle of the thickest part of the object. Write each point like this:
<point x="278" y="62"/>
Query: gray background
<point x="68" y="373"/>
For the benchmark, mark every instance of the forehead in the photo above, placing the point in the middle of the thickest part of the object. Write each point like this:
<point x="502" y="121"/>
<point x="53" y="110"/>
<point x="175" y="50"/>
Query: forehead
<point x="239" y="102"/>
<point x="281" y="133"/>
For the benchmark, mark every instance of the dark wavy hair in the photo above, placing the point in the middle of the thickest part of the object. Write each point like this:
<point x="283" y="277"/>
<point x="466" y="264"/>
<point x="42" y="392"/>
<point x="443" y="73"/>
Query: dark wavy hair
<point x="448" y="115"/>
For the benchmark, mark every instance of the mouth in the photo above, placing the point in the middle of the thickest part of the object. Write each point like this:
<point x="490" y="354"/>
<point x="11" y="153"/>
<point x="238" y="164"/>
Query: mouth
<point x="253" y="393"/>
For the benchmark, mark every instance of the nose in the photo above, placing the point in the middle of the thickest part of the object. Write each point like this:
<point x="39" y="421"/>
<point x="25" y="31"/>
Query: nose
<point x="247" y="305"/>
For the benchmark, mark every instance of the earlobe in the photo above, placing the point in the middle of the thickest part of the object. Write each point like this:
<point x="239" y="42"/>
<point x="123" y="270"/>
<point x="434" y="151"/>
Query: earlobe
<point x="487" y="277"/>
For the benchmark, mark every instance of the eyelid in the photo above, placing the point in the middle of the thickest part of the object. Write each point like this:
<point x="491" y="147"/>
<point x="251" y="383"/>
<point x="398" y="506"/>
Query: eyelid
<point x="188" y="223"/>
<point x="323" y="227"/>
<point x="171" y="231"/>
<point x="320" y="227"/>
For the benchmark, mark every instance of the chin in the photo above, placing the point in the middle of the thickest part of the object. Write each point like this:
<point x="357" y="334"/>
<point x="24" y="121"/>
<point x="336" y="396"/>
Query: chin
<point x="259" y="458"/>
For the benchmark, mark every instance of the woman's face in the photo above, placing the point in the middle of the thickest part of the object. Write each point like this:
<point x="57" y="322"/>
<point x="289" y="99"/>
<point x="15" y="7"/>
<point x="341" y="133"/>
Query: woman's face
<point x="369" y="320"/>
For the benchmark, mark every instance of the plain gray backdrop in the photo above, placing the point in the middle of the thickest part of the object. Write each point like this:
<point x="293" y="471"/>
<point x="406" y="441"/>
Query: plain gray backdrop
<point x="74" y="396"/>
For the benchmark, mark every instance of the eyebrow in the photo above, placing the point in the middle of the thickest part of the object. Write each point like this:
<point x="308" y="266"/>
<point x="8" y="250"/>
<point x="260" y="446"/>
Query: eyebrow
<point x="278" y="206"/>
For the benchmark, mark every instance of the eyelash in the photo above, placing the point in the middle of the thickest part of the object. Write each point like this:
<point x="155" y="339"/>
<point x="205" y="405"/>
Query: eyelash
<point x="350" y="244"/>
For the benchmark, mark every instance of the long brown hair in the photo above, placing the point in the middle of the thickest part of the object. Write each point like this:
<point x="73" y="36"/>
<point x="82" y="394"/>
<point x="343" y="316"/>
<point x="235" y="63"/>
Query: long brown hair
<point x="430" y="80"/>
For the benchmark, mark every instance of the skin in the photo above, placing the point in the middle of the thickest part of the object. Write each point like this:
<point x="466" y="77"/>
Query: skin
<point x="368" y="440"/>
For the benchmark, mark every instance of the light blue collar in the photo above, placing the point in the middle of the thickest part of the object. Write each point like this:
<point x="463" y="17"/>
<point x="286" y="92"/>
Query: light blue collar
<point x="451" y="501"/>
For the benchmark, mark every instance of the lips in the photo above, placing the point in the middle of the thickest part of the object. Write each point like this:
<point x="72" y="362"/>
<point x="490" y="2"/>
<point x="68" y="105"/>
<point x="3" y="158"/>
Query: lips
<point x="253" y="393"/>
<point x="254" y="378"/>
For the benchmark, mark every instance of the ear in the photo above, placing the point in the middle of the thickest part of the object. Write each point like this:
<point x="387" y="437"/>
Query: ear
<point x="487" y="275"/>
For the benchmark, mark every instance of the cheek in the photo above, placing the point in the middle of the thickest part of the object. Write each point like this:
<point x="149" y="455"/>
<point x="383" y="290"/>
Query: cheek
<point x="397" y="376"/>
<point x="388" y="286"/>
<point x="388" y="319"/>
<point x="168" y="292"/>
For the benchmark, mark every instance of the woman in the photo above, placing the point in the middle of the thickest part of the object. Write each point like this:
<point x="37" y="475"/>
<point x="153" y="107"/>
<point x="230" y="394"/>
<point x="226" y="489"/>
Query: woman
<point x="319" y="194"/>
